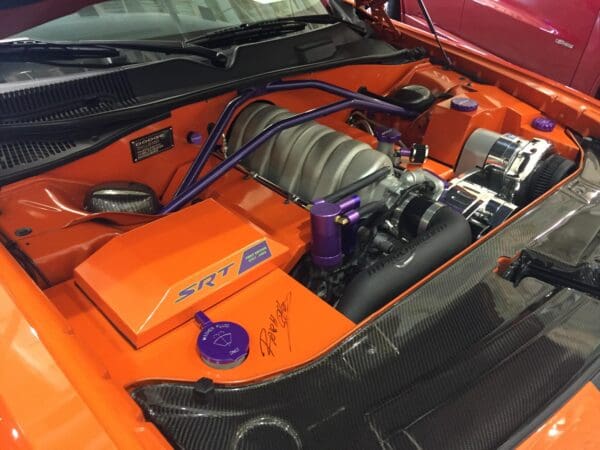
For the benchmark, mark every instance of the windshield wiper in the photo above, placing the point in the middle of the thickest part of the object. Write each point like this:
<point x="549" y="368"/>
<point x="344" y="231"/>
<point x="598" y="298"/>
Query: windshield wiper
<point x="27" y="50"/>
<point x="34" y="50"/>
<point x="583" y="277"/>
<point x="248" y="32"/>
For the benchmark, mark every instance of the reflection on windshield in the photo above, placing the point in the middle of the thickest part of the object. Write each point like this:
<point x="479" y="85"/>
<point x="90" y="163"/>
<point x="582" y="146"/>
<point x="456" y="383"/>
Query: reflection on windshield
<point x="160" y="19"/>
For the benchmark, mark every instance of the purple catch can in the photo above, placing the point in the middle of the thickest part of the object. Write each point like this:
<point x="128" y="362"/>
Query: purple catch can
<point x="326" y="248"/>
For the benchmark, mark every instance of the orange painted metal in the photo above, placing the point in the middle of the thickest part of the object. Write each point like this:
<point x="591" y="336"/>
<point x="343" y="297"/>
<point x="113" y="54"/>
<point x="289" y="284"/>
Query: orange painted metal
<point x="54" y="395"/>
<point x="574" y="426"/>
<point x="154" y="278"/>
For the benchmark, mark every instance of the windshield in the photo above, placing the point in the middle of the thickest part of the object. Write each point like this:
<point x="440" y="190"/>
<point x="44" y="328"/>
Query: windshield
<point x="165" y="19"/>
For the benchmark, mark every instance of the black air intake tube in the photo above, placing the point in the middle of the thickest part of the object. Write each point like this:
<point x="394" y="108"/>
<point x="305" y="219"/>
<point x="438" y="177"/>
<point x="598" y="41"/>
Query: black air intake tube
<point x="379" y="284"/>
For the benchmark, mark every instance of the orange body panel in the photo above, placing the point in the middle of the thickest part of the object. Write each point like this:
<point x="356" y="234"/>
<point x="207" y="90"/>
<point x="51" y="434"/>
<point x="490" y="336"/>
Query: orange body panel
<point x="88" y="356"/>
<point x="42" y="396"/>
<point x="574" y="426"/>
<point x="58" y="397"/>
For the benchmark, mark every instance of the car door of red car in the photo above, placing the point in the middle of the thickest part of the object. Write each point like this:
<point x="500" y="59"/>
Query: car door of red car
<point x="546" y="36"/>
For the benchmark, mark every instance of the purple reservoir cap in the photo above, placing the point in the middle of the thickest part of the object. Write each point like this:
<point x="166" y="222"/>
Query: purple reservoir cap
<point x="543" y="124"/>
<point x="222" y="345"/>
<point x="464" y="104"/>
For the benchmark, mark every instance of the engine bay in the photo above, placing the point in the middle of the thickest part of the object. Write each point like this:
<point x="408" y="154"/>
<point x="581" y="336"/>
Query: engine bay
<point x="295" y="210"/>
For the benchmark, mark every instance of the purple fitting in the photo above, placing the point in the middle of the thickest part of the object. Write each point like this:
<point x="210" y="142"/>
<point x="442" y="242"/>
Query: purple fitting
<point x="326" y="249"/>
<point x="405" y="152"/>
<point x="194" y="138"/>
<point x="349" y="232"/>
<point x="387" y="135"/>
<point x="348" y="203"/>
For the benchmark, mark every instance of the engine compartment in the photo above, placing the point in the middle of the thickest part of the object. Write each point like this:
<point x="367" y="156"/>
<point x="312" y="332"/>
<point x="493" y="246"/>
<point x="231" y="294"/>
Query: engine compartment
<point x="318" y="228"/>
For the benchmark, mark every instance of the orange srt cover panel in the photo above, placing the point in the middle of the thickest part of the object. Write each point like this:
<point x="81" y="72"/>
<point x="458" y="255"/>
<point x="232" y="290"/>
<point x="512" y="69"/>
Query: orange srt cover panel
<point x="288" y="326"/>
<point x="157" y="276"/>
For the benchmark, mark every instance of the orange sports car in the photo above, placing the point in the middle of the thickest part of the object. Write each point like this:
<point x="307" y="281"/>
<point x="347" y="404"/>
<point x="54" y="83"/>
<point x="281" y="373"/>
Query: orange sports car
<point x="269" y="224"/>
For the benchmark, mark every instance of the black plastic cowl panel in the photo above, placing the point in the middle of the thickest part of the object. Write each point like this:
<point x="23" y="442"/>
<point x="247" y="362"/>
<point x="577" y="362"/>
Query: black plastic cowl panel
<point x="24" y="158"/>
<point x="462" y="363"/>
<point x="71" y="99"/>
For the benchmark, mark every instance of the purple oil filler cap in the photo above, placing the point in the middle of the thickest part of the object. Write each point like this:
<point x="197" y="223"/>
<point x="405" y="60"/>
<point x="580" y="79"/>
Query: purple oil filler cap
<point x="464" y="104"/>
<point x="222" y="345"/>
<point x="543" y="124"/>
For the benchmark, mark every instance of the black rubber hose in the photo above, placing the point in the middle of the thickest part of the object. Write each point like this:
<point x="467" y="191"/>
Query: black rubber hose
<point x="371" y="208"/>
<point x="382" y="282"/>
<point x="358" y="185"/>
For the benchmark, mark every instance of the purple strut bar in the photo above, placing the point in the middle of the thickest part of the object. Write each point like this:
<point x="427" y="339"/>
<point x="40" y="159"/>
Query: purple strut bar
<point x="191" y="188"/>
<point x="213" y="137"/>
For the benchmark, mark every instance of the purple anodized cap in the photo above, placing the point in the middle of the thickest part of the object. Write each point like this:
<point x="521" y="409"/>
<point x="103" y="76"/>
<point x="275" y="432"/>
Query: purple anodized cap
<point x="464" y="104"/>
<point x="222" y="345"/>
<point x="543" y="124"/>
<point x="194" y="137"/>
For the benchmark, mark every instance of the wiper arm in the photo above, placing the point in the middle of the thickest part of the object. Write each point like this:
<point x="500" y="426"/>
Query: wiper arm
<point x="170" y="47"/>
<point x="264" y="29"/>
<point x="529" y="263"/>
<point x="32" y="50"/>
<point x="28" y="50"/>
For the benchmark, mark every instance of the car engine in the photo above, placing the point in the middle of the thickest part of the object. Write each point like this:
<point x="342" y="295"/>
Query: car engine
<point x="340" y="201"/>
<point x="380" y="221"/>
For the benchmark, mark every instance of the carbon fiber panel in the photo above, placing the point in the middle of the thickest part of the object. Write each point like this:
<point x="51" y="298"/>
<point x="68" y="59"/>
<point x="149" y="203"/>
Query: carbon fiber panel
<point x="463" y="362"/>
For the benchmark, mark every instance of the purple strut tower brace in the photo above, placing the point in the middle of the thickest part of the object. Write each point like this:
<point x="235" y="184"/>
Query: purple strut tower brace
<point x="190" y="188"/>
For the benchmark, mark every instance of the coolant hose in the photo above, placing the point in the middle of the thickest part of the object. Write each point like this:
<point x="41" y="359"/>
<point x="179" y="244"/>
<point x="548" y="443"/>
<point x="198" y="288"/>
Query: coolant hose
<point x="383" y="281"/>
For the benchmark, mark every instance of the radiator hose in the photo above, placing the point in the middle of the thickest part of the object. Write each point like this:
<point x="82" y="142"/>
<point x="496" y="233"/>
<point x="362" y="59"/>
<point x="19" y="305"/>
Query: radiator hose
<point x="380" y="283"/>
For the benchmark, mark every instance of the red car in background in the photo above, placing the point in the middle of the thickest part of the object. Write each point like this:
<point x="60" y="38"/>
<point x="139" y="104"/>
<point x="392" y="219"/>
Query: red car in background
<point x="558" y="39"/>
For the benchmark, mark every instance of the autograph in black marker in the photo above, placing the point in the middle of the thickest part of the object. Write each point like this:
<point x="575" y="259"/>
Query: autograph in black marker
<point x="279" y="321"/>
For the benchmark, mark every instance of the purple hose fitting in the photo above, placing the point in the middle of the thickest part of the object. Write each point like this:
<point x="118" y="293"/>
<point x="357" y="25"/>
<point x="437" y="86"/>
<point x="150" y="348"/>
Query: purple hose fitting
<point x="348" y="203"/>
<point x="387" y="135"/>
<point x="326" y="249"/>
<point x="349" y="231"/>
